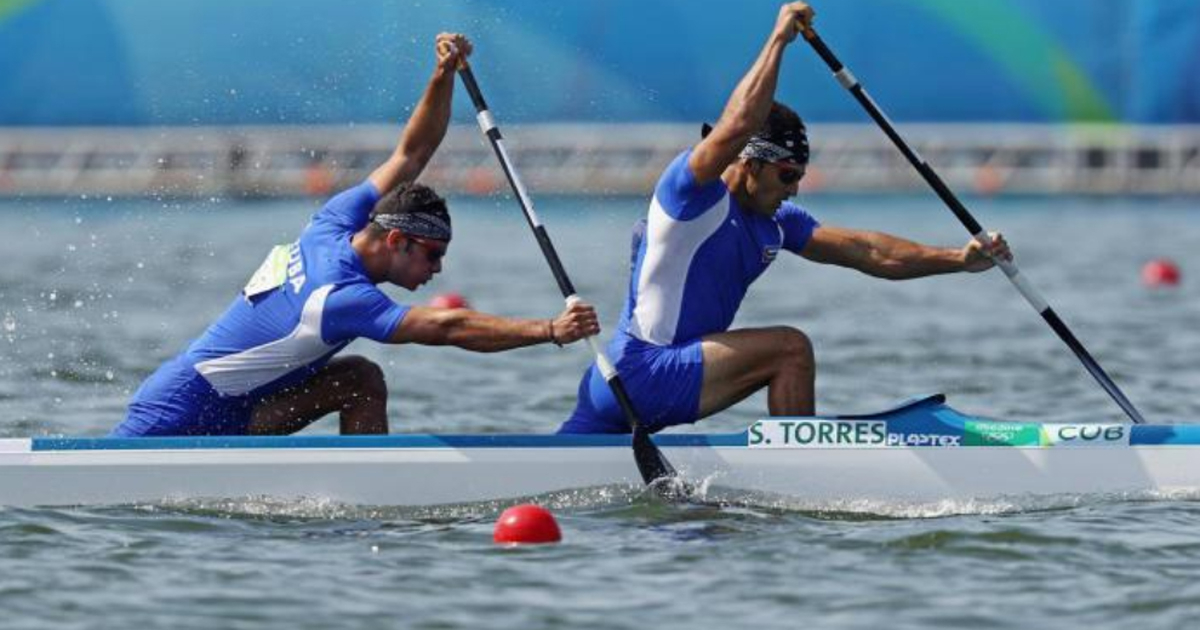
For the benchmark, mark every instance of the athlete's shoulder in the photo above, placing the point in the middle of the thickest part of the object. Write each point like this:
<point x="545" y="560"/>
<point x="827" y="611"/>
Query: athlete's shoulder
<point x="351" y="208"/>
<point x="329" y="256"/>
<point x="360" y="309"/>
<point x="680" y="196"/>
<point x="797" y="225"/>
<point x="791" y="209"/>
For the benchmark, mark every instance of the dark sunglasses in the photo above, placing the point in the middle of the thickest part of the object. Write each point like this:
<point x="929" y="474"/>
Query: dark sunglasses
<point x="788" y="175"/>
<point x="433" y="253"/>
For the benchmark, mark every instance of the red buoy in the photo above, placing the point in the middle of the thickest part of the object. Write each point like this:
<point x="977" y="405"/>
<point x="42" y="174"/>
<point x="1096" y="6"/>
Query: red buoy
<point x="1160" y="273"/>
<point x="449" y="300"/>
<point x="526" y="524"/>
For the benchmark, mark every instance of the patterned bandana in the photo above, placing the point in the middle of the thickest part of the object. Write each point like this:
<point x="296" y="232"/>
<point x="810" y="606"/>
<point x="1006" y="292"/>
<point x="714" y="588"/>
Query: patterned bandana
<point x="789" y="146"/>
<point x="419" y="224"/>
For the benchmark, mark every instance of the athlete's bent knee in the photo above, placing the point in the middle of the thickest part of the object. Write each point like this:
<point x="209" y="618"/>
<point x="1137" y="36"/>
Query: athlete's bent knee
<point x="794" y="347"/>
<point x="792" y="341"/>
<point x="367" y="377"/>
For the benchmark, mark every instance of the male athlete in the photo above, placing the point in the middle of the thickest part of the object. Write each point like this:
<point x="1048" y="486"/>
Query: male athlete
<point x="717" y="220"/>
<point x="266" y="366"/>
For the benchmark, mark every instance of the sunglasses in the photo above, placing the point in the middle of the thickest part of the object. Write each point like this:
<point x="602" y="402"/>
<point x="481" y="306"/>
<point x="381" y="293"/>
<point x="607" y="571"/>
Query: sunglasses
<point x="788" y="175"/>
<point x="433" y="253"/>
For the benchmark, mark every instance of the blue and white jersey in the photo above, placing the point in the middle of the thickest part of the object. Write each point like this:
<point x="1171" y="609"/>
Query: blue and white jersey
<point x="291" y="329"/>
<point x="307" y="301"/>
<point x="700" y="253"/>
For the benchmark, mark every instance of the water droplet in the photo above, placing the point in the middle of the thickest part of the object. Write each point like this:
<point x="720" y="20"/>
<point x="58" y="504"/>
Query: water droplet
<point x="10" y="323"/>
<point x="53" y="296"/>
<point x="108" y="375"/>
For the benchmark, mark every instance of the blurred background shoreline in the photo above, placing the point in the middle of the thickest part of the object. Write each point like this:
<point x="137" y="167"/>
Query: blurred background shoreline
<point x="248" y="162"/>
<point x="191" y="98"/>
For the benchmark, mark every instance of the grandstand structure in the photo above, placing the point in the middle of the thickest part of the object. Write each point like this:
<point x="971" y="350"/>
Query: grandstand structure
<point x="252" y="99"/>
<point x="588" y="159"/>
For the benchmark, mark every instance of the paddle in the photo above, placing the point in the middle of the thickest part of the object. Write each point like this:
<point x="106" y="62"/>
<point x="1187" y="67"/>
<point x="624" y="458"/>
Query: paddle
<point x="653" y="466"/>
<point x="848" y="81"/>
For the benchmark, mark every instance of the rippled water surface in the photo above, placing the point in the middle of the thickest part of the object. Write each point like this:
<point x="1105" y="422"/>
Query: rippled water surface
<point x="95" y="293"/>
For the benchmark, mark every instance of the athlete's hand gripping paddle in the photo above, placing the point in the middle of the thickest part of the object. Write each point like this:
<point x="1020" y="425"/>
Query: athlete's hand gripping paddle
<point x="653" y="466"/>
<point x="1009" y="268"/>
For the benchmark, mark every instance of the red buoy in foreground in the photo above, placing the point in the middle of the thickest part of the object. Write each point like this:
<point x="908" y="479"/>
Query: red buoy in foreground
<point x="1160" y="273"/>
<point x="449" y="300"/>
<point x="526" y="524"/>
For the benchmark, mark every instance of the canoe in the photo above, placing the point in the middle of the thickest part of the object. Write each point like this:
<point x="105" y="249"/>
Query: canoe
<point x="920" y="451"/>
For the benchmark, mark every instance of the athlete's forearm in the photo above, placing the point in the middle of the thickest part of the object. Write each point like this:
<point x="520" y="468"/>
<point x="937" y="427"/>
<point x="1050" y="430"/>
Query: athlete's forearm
<point x="479" y="332"/>
<point x="427" y="126"/>
<point x="422" y="135"/>
<point x="896" y="258"/>
<point x="750" y="103"/>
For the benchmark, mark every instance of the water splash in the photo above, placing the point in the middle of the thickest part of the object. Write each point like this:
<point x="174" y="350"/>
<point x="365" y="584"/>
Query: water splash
<point x="317" y="508"/>
<point x="891" y="509"/>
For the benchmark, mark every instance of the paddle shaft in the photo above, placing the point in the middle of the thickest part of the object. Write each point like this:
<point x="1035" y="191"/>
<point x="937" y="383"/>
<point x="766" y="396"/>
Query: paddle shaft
<point x="1035" y="299"/>
<point x="650" y="460"/>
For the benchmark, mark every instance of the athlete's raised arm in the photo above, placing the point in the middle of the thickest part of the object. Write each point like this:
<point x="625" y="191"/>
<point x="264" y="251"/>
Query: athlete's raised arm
<point x="751" y="101"/>
<point x="427" y="125"/>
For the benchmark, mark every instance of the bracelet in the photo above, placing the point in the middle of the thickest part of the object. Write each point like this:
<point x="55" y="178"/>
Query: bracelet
<point x="553" y="339"/>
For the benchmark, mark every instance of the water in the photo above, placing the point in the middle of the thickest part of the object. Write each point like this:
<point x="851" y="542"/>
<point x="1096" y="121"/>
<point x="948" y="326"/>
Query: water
<point x="95" y="293"/>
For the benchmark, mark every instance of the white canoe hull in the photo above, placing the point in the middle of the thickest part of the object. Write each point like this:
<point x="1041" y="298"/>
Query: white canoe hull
<point x="414" y="477"/>
<point x="431" y="470"/>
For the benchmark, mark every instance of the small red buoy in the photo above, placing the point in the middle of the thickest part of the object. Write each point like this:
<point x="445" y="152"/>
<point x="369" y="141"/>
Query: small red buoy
<point x="449" y="300"/>
<point x="1160" y="273"/>
<point x="526" y="524"/>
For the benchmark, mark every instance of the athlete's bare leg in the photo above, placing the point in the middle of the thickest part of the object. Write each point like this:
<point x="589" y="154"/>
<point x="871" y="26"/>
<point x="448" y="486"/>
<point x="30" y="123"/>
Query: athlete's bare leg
<point x="352" y="386"/>
<point x="740" y="362"/>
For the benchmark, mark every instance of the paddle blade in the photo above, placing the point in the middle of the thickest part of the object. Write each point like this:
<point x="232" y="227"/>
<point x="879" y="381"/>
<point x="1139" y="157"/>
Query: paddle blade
<point x="651" y="462"/>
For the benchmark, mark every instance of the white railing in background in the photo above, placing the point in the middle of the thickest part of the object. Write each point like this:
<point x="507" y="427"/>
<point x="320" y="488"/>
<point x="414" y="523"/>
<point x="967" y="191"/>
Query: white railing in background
<point x="586" y="159"/>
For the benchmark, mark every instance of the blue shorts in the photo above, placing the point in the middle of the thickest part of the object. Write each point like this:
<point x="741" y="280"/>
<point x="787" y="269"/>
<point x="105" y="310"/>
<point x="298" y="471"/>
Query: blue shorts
<point x="177" y="400"/>
<point x="663" y="382"/>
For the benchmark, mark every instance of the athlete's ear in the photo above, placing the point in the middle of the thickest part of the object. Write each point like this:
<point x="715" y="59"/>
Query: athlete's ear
<point x="393" y="238"/>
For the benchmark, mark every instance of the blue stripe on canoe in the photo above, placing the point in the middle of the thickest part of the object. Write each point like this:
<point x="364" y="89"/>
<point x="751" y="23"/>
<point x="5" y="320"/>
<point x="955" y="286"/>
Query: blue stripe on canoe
<point x="1165" y="434"/>
<point x="376" y="441"/>
<point x="1143" y="435"/>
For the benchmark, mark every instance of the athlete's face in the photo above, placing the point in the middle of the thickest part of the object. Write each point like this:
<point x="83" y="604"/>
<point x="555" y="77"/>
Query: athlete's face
<point x="415" y="260"/>
<point x="772" y="183"/>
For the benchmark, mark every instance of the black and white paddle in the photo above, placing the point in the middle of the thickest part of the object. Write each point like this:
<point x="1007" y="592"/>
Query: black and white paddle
<point x="654" y="467"/>
<point x="1009" y="268"/>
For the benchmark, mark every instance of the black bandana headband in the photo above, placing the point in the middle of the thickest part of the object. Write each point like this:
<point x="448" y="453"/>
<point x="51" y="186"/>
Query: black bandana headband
<point x="789" y="146"/>
<point x="419" y="224"/>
